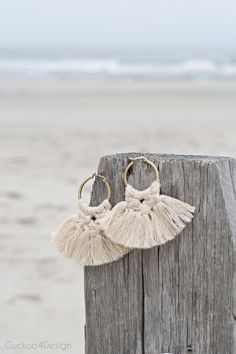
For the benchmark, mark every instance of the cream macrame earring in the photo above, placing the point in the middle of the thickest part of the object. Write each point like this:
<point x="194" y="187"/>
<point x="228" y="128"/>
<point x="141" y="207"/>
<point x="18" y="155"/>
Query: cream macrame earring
<point x="146" y="218"/>
<point x="81" y="236"/>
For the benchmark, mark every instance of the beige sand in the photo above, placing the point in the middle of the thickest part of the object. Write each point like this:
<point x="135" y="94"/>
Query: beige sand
<point x="52" y="136"/>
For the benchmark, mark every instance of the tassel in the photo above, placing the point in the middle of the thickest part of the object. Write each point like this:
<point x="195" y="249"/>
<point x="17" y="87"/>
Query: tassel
<point x="146" y="219"/>
<point x="82" y="238"/>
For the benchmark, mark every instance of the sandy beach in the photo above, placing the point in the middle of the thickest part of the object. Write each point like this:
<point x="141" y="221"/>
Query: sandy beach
<point x="52" y="136"/>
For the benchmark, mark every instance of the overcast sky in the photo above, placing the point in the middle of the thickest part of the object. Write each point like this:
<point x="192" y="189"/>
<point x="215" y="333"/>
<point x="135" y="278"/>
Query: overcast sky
<point x="120" y="23"/>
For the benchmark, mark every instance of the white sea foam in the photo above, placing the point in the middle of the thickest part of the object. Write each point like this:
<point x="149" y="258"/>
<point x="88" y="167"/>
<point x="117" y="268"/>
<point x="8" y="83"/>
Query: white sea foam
<point x="113" y="68"/>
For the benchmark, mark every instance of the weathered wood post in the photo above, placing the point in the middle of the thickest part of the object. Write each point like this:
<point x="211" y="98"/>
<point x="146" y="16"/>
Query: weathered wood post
<point x="180" y="297"/>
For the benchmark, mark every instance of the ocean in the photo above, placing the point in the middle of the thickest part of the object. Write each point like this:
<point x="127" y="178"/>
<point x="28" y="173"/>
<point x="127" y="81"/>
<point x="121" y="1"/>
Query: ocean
<point x="125" y="64"/>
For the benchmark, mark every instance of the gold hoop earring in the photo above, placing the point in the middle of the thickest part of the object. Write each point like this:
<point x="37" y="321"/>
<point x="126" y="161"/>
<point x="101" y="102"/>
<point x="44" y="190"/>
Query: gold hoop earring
<point x="82" y="237"/>
<point x="94" y="175"/>
<point x="146" y="218"/>
<point x="144" y="159"/>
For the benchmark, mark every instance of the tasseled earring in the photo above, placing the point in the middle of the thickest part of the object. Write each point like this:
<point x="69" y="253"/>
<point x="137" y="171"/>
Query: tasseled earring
<point x="81" y="236"/>
<point x="146" y="218"/>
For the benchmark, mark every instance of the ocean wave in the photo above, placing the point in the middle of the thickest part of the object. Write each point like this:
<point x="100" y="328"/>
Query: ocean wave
<point x="113" y="68"/>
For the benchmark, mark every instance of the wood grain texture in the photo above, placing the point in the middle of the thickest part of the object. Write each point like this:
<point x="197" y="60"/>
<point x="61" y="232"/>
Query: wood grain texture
<point x="180" y="297"/>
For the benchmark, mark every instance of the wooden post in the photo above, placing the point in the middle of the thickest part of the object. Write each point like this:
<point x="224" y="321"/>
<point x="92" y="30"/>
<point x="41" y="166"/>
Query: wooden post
<point x="180" y="297"/>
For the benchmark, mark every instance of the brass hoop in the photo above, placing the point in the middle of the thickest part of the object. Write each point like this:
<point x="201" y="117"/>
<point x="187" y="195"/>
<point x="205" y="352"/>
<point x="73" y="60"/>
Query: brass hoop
<point x="144" y="159"/>
<point x="94" y="175"/>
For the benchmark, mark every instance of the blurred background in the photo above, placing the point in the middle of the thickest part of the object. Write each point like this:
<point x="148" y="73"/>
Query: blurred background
<point x="82" y="79"/>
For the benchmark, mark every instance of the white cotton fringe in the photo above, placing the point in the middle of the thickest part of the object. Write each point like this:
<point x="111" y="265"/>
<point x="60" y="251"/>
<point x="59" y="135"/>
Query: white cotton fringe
<point x="147" y="219"/>
<point x="82" y="238"/>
